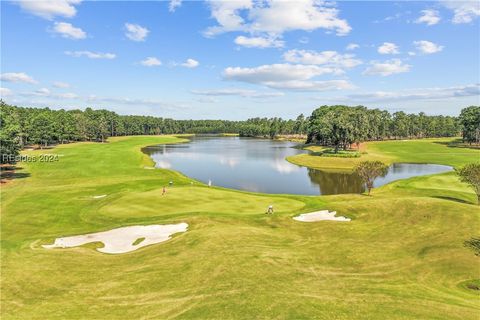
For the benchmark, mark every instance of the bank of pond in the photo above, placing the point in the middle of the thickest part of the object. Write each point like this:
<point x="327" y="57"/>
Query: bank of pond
<point x="259" y="165"/>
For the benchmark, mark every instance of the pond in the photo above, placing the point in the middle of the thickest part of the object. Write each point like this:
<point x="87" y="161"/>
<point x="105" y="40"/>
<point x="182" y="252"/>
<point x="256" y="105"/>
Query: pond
<point x="259" y="165"/>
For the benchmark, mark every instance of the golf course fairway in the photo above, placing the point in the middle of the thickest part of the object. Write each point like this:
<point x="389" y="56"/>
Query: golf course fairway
<point x="402" y="255"/>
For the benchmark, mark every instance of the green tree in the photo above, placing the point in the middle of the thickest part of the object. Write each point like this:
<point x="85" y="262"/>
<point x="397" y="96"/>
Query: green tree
<point x="368" y="171"/>
<point x="42" y="129"/>
<point x="9" y="134"/>
<point x="470" y="121"/>
<point x="470" y="174"/>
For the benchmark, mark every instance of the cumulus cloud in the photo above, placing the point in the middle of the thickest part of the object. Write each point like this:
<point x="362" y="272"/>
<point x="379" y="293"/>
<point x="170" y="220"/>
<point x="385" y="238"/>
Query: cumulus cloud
<point x="90" y="54"/>
<point x="4" y="92"/>
<point x="275" y="72"/>
<point x="51" y="8"/>
<point x="59" y="84"/>
<point x="190" y="63"/>
<point x="67" y="30"/>
<point x="330" y="58"/>
<point x="388" y="48"/>
<point x="135" y="32"/>
<point x="259" y="42"/>
<point x="174" y="4"/>
<point x="463" y="11"/>
<point x="151" y="62"/>
<point x="287" y="76"/>
<point x="275" y="17"/>
<point x="352" y="46"/>
<point x="427" y="47"/>
<point x="386" y="68"/>
<point x="237" y="92"/>
<point x="17" y="77"/>
<point x="430" y="17"/>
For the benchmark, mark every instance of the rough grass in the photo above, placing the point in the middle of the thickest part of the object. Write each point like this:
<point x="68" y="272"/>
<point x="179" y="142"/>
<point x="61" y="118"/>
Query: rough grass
<point x="401" y="257"/>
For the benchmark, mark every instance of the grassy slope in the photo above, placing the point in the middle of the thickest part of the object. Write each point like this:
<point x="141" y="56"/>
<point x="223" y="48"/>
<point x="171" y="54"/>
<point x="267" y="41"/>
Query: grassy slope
<point x="402" y="256"/>
<point x="413" y="151"/>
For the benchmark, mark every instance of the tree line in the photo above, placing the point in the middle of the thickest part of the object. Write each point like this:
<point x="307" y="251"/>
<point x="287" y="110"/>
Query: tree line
<point x="341" y="126"/>
<point x="337" y="126"/>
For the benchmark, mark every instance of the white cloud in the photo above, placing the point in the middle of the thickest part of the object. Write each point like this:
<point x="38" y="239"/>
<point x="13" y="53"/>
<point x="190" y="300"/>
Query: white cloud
<point x="151" y="62"/>
<point x="91" y="55"/>
<point x="287" y="76"/>
<point x="46" y="93"/>
<point x="388" y="48"/>
<point x="352" y="46"/>
<point x="68" y="31"/>
<point x="464" y="11"/>
<point x="387" y="68"/>
<point x="190" y="63"/>
<point x="418" y="94"/>
<point x="259" y="42"/>
<point x="275" y="72"/>
<point x="135" y="102"/>
<point x="68" y="95"/>
<point x="275" y="17"/>
<point x="174" y="4"/>
<point x="301" y="85"/>
<point x="207" y="100"/>
<point x="51" y="8"/>
<point x="135" y="32"/>
<point x="427" y="47"/>
<point x="4" y="92"/>
<point x="237" y="92"/>
<point x="59" y="84"/>
<point x="429" y="17"/>
<point x="227" y="15"/>
<point x="330" y="58"/>
<point x="17" y="77"/>
<point x="42" y="92"/>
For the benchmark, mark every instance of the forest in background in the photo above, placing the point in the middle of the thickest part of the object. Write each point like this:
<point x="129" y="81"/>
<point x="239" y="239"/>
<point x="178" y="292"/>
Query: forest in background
<point x="337" y="126"/>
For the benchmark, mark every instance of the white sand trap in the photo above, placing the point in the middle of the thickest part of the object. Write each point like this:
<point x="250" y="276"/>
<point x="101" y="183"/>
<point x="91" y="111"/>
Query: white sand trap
<point x="99" y="197"/>
<point x="320" y="216"/>
<point x="121" y="240"/>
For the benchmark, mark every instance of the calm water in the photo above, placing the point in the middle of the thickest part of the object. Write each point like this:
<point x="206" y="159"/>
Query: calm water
<point x="259" y="165"/>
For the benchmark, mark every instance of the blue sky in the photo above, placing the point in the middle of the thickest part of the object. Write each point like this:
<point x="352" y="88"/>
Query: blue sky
<point x="240" y="59"/>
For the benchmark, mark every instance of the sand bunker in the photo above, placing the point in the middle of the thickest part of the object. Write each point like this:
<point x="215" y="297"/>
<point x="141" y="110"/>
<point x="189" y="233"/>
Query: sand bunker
<point x="320" y="216"/>
<point x="99" y="197"/>
<point x="121" y="240"/>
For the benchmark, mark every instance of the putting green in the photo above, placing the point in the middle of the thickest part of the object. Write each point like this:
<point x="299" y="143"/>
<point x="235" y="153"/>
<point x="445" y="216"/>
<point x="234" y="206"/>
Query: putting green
<point x="191" y="199"/>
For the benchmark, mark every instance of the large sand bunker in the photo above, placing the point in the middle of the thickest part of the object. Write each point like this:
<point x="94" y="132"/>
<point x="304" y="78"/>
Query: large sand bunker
<point x="122" y="240"/>
<point x="320" y="216"/>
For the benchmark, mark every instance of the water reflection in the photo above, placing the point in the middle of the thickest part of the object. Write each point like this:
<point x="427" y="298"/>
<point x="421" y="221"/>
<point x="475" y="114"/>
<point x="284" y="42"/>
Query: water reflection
<point x="336" y="182"/>
<point x="259" y="165"/>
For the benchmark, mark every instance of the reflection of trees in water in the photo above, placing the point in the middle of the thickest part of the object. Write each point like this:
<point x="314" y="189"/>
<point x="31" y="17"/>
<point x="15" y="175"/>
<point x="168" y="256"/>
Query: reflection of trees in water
<point x="336" y="182"/>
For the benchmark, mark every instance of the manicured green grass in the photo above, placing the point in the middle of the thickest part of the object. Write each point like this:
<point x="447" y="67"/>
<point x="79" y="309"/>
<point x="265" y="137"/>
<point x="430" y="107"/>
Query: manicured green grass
<point x="401" y="257"/>
<point x="436" y="151"/>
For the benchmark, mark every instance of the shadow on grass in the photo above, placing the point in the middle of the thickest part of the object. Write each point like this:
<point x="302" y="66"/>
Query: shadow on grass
<point x="11" y="172"/>
<point x="454" y="199"/>
<point x="458" y="143"/>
